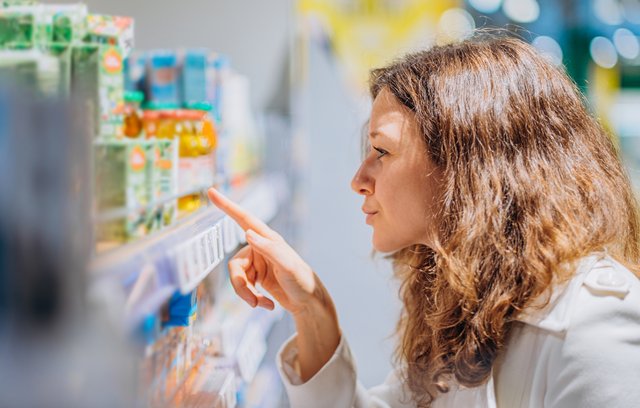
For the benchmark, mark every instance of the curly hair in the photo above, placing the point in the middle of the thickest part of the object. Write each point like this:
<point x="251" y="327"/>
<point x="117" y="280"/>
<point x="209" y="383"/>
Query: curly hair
<point x="532" y="183"/>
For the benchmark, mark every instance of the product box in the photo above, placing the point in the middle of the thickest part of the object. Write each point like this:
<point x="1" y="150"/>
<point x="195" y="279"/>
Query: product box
<point x="218" y="69"/>
<point x="135" y="67"/>
<point x="11" y="3"/>
<point x="182" y="309"/>
<point x="193" y="76"/>
<point x="61" y="23"/>
<point x="17" y="27"/>
<point x="97" y="78"/>
<point x="162" y="78"/>
<point x="164" y="179"/>
<point x="29" y="26"/>
<point x="123" y="171"/>
<point x="110" y="30"/>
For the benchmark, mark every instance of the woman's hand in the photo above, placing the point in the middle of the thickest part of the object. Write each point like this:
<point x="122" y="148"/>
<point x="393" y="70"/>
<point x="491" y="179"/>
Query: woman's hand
<point x="270" y="262"/>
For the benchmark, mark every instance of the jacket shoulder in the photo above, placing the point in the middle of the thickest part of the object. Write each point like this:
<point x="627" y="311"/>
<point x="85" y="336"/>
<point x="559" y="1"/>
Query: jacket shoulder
<point x="608" y="295"/>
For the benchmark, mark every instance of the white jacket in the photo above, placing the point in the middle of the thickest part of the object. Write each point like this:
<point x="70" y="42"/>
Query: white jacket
<point x="581" y="350"/>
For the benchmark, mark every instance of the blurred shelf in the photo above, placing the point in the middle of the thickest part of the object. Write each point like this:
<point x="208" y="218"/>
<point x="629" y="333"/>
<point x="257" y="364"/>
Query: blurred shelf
<point x="145" y="273"/>
<point x="123" y="212"/>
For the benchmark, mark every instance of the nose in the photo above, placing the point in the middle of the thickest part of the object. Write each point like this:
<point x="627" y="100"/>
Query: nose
<point x="362" y="183"/>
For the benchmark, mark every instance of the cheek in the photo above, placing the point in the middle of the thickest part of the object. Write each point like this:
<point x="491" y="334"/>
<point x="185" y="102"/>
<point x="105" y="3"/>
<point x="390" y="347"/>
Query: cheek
<point x="405" y="218"/>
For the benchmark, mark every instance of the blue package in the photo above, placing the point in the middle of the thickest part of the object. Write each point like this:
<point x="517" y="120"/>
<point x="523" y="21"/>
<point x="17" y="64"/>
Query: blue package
<point x="162" y="78"/>
<point x="182" y="309"/>
<point x="219" y="65"/>
<point x="135" y="72"/>
<point x="194" y="77"/>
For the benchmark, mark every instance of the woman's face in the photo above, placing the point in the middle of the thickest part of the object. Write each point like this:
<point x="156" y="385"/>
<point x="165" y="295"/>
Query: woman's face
<point x="399" y="182"/>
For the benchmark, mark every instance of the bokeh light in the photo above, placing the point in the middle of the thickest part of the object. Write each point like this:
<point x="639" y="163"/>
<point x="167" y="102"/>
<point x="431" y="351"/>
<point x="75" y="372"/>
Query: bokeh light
<point x="603" y="52"/>
<point x="522" y="11"/>
<point x="549" y="48"/>
<point x="455" y="24"/>
<point x="608" y="11"/>
<point x="486" y="6"/>
<point x="626" y="43"/>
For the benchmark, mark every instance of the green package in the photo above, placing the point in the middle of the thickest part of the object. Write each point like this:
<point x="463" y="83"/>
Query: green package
<point x="34" y="26"/>
<point x="61" y="23"/>
<point x="17" y="27"/>
<point x="97" y="79"/>
<point x="163" y="184"/>
<point x="164" y="181"/>
<point x="11" y="3"/>
<point x="123" y="169"/>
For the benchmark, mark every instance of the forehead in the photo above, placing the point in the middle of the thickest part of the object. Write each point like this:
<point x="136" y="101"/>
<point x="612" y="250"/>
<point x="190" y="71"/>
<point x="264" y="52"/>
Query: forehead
<point x="389" y="117"/>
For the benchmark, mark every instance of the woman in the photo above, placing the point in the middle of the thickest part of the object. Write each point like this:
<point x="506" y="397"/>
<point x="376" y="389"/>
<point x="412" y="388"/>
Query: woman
<point x="512" y="227"/>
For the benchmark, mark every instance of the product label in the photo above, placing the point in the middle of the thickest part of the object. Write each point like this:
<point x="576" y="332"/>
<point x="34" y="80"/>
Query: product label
<point x="138" y="160"/>
<point x="112" y="61"/>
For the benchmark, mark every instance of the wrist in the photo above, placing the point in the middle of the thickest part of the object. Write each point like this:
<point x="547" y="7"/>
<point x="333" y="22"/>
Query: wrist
<point x="317" y="305"/>
<point x="318" y="332"/>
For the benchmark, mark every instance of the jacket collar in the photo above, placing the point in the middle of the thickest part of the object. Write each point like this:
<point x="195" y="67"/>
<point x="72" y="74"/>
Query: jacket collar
<point x="556" y="315"/>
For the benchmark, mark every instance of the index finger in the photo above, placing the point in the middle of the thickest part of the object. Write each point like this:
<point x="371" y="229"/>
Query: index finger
<point x="238" y="214"/>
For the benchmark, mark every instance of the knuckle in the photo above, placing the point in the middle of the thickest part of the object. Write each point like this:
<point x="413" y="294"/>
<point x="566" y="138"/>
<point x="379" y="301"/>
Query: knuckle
<point x="237" y="282"/>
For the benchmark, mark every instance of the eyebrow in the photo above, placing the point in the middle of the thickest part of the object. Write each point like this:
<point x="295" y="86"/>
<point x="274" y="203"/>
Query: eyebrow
<point x="375" y="133"/>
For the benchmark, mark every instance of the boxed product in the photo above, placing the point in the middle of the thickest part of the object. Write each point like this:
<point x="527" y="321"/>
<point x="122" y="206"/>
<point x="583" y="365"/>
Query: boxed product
<point x="135" y="66"/>
<point x="61" y="23"/>
<point x="10" y="3"/>
<point x="28" y="26"/>
<point x="193" y="76"/>
<point x="164" y="180"/>
<point x="123" y="172"/>
<point x="97" y="78"/>
<point x="110" y="30"/>
<point x="217" y="71"/>
<point x="182" y="309"/>
<point x="162" y="78"/>
<point x="17" y="27"/>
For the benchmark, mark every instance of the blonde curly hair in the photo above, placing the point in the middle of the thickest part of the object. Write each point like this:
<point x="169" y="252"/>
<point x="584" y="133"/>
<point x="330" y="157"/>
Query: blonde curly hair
<point x="531" y="182"/>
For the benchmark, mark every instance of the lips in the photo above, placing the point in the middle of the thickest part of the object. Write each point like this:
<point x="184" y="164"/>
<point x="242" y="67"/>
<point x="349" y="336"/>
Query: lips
<point x="368" y="211"/>
<point x="370" y="217"/>
<point x="370" y="214"/>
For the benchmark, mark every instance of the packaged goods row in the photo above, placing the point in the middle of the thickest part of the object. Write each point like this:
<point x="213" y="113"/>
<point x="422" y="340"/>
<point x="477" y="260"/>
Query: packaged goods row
<point x="167" y="124"/>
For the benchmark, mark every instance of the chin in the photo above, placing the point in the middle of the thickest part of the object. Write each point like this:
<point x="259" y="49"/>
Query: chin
<point x="385" y="246"/>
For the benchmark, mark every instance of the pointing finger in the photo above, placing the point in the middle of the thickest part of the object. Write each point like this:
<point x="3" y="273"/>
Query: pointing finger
<point x="239" y="215"/>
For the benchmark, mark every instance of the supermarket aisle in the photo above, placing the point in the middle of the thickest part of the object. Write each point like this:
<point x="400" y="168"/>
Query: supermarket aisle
<point x="337" y="241"/>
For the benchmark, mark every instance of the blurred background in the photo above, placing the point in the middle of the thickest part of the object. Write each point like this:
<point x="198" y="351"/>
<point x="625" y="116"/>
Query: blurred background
<point x="115" y="117"/>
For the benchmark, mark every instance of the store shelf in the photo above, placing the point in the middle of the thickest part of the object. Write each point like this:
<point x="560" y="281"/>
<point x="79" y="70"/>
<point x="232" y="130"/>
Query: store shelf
<point x="145" y="273"/>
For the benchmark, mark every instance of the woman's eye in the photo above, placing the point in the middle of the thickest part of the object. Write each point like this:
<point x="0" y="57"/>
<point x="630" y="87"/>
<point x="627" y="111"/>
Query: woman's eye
<point x="381" y="152"/>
